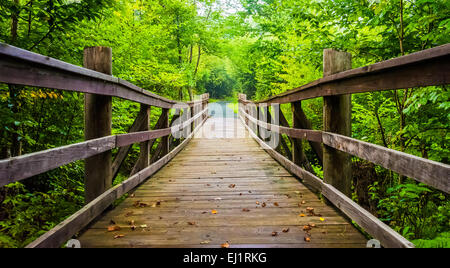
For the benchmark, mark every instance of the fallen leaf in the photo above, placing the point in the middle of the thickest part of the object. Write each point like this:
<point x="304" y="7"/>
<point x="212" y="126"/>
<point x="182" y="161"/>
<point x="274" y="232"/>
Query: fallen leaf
<point x="276" y="204"/>
<point x="232" y="185"/>
<point x="285" y="230"/>
<point x="312" y="225"/>
<point x="144" y="226"/>
<point x="191" y="222"/>
<point x="263" y="204"/>
<point x="208" y="184"/>
<point x="118" y="236"/>
<point x="214" y="211"/>
<point x="306" y="228"/>
<point x="128" y="214"/>
<point x="302" y="215"/>
<point x="303" y="202"/>
<point x="307" y="239"/>
<point x="245" y="209"/>
<point x="321" y="219"/>
<point x="204" y="242"/>
<point x="257" y="202"/>
<point x="250" y="191"/>
<point x="225" y="245"/>
<point x="113" y="228"/>
<point x="274" y="233"/>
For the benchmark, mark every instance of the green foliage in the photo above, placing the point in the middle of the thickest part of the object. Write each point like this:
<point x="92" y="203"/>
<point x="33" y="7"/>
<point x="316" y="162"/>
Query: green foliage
<point x="178" y="48"/>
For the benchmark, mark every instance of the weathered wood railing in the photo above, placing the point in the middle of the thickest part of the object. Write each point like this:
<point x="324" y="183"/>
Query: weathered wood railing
<point x="426" y="68"/>
<point x="21" y="67"/>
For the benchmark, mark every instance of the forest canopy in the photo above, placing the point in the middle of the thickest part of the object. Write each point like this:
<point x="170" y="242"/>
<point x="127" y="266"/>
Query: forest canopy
<point x="183" y="48"/>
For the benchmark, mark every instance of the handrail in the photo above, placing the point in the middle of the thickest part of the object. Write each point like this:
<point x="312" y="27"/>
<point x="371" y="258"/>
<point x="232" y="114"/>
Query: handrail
<point x="72" y="225"/>
<point x="370" y="223"/>
<point x="22" y="67"/>
<point x="430" y="172"/>
<point x="424" y="68"/>
<point x="24" y="166"/>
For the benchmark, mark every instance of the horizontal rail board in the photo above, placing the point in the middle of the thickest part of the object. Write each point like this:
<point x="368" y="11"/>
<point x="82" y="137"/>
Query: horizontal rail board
<point x="22" y="67"/>
<point x="424" y="68"/>
<point x="22" y="167"/>
<point x="72" y="225"/>
<point x="371" y="224"/>
<point x="423" y="170"/>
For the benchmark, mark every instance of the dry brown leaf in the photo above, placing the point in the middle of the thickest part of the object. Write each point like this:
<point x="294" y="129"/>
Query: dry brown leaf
<point x="113" y="228"/>
<point x="225" y="245"/>
<point x="263" y="204"/>
<point x="118" y="236"/>
<point x="274" y="233"/>
<point x="245" y="209"/>
<point x="232" y="185"/>
<point x="306" y="228"/>
<point x="307" y="239"/>
<point x="128" y="214"/>
<point x="285" y="230"/>
<point x="257" y="202"/>
<point x="275" y="204"/>
<point x="191" y="222"/>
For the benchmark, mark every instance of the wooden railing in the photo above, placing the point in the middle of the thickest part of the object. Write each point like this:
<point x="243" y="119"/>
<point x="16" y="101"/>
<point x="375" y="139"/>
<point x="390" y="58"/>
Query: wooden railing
<point x="21" y="67"/>
<point x="333" y="145"/>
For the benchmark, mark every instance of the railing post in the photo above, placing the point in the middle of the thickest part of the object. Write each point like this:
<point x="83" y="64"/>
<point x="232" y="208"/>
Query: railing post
<point x="297" y="147"/>
<point x="165" y="140"/>
<point x="97" y="123"/>
<point x="337" y="119"/>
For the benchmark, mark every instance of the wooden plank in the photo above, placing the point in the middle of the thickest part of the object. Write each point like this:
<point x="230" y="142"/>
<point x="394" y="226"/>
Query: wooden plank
<point x="21" y="167"/>
<point x="423" y="170"/>
<point x="337" y="118"/>
<point x="69" y="227"/>
<point x="424" y="68"/>
<point x="97" y="124"/>
<point x="18" y="66"/>
<point x="372" y="225"/>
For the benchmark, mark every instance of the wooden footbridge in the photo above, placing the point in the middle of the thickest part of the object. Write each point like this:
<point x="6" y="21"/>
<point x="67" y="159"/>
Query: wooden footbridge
<point x="224" y="181"/>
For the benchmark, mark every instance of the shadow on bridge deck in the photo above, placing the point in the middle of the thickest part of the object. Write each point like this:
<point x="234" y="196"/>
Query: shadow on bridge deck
<point x="222" y="188"/>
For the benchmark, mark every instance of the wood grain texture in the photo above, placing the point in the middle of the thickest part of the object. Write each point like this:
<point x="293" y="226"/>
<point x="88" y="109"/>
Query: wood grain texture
<point x="21" y="167"/>
<point x="372" y="225"/>
<point x="72" y="225"/>
<point x="427" y="171"/>
<point x="22" y="67"/>
<point x="424" y="68"/>
<point x="233" y="176"/>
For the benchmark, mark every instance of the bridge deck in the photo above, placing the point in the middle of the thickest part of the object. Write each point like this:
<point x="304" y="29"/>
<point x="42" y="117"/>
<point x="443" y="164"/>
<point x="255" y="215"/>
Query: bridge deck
<point x="252" y="195"/>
